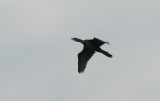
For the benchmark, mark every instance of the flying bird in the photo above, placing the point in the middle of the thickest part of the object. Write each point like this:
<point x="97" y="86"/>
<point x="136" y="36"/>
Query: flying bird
<point x="89" y="48"/>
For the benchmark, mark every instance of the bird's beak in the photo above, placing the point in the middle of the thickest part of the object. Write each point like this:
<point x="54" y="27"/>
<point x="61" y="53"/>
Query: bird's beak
<point x="74" y="39"/>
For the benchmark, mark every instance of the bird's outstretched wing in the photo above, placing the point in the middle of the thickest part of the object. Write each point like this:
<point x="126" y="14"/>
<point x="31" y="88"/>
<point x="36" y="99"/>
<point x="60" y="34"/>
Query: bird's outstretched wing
<point x="97" y="42"/>
<point x="83" y="58"/>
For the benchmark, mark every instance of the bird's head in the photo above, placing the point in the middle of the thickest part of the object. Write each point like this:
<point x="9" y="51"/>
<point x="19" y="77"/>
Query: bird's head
<point x="76" y="39"/>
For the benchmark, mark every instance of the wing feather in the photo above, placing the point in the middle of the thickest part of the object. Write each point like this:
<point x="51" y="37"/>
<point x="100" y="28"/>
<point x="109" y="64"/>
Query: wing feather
<point x="83" y="58"/>
<point x="97" y="42"/>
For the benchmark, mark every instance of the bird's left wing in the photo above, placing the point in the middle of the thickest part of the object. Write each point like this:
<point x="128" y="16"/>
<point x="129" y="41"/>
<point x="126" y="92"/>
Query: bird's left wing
<point x="83" y="58"/>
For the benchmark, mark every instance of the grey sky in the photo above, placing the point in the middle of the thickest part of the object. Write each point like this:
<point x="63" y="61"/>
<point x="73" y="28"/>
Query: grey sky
<point x="39" y="61"/>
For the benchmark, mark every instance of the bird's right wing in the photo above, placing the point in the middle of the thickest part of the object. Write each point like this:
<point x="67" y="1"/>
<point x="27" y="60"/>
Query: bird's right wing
<point x="97" y="42"/>
<point x="83" y="58"/>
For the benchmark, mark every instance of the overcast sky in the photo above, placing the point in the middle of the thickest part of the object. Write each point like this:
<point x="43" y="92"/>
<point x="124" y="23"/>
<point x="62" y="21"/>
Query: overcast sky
<point x="38" y="60"/>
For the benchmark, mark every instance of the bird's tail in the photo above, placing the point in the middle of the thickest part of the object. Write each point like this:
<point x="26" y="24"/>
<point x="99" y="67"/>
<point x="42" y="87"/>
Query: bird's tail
<point x="106" y="53"/>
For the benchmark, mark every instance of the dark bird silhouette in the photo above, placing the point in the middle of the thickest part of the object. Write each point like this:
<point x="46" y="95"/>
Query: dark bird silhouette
<point x="90" y="47"/>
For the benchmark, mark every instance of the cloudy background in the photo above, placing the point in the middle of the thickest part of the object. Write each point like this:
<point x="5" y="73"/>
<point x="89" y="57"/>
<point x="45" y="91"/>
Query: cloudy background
<point x="38" y="61"/>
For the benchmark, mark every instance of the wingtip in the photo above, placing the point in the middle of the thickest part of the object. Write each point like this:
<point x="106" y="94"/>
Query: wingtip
<point x="80" y="71"/>
<point x="107" y="42"/>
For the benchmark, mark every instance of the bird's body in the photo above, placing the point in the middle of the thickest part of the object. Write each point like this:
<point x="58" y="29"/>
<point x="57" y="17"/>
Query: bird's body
<point x="90" y="47"/>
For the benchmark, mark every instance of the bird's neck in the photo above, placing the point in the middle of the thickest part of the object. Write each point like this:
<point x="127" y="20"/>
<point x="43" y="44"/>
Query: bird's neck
<point x="78" y="40"/>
